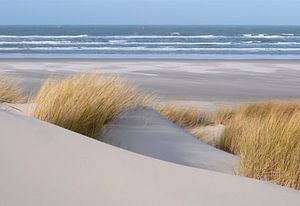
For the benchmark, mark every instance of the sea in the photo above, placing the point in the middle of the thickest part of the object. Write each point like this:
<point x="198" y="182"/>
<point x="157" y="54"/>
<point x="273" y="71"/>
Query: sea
<point x="166" y="42"/>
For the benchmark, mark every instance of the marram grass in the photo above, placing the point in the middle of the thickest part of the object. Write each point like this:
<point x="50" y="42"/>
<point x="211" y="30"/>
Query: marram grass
<point x="267" y="137"/>
<point x="184" y="116"/>
<point x="84" y="103"/>
<point x="10" y="91"/>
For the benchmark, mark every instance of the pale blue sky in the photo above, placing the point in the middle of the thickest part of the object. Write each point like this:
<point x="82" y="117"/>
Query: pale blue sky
<point x="131" y="12"/>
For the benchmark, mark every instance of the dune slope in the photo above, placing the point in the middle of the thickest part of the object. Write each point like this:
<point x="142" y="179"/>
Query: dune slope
<point x="42" y="164"/>
<point x="146" y="132"/>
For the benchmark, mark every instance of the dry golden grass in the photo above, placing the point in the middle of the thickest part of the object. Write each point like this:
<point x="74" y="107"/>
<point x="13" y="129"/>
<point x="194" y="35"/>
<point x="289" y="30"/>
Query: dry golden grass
<point x="224" y="115"/>
<point x="84" y="103"/>
<point x="185" y="117"/>
<point x="192" y="119"/>
<point x="9" y="91"/>
<point x="267" y="137"/>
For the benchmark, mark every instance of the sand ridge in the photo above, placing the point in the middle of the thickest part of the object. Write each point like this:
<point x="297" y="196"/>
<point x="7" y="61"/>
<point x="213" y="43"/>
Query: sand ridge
<point x="146" y="132"/>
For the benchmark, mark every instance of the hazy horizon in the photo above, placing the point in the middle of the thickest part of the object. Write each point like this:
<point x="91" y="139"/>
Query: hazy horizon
<point x="220" y="25"/>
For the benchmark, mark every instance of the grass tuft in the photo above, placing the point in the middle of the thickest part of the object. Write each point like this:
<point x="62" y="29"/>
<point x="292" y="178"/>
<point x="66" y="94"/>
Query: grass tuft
<point x="84" y="103"/>
<point x="10" y="91"/>
<point x="267" y="137"/>
<point x="184" y="117"/>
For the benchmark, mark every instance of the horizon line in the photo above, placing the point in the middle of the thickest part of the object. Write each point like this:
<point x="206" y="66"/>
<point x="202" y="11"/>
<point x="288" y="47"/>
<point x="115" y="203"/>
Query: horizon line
<point x="149" y="24"/>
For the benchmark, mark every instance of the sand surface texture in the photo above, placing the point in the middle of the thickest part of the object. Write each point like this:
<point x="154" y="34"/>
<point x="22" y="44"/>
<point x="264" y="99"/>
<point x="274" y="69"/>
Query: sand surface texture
<point x="204" y="83"/>
<point x="146" y="132"/>
<point x="42" y="164"/>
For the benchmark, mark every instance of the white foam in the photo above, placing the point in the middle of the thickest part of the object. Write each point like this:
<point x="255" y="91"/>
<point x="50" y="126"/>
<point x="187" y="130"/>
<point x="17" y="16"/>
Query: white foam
<point x="113" y="37"/>
<point x="125" y="42"/>
<point x="47" y="37"/>
<point x="35" y="42"/>
<point x="287" y="34"/>
<point x="252" y="42"/>
<point x="270" y="43"/>
<point x="146" y="36"/>
<point x="174" y="49"/>
<point x="269" y="36"/>
<point x="159" y="37"/>
<point x="111" y="42"/>
<point x="287" y="43"/>
<point x="180" y="43"/>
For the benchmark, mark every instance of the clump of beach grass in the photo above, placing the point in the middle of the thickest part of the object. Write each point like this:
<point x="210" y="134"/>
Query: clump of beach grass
<point x="84" y="103"/>
<point x="190" y="118"/>
<point x="184" y="116"/>
<point x="10" y="92"/>
<point x="267" y="137"/>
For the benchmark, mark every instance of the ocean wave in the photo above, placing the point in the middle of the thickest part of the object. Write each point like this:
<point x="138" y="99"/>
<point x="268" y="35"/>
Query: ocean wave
<point x="111" y="42"/>
<point x="124" y="37"/>
<point x="252" y="42"/>
<point x="112" y="36"/>
<point x="142" y="49"/>
<point x="44" y="37"/>
<point x="125" y="42"/>
<point x="287" y="34"/>
<point x="270" y="43"/>
<point x="180" y="43"/>
<point x="175" y="33"/>
<point x="269" y="36"/>
<point x="160" y="37"/>
<point x="287" y="43"/>
<point x="36" y="42"/>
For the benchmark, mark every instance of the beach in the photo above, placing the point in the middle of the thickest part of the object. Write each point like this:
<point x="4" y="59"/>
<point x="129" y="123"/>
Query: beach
<point x="149" y="103"/>
<point x="170" y="155"/>
<point x="205" y="83"/>
<point x="45" y="164"/>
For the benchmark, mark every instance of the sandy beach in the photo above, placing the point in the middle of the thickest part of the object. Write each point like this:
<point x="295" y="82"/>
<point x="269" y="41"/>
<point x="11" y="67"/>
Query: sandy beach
<point x="149" y="103"/>
<point x="205" y="83"/>
<point x="139" y="156"/>
<point x="85" y="171"/>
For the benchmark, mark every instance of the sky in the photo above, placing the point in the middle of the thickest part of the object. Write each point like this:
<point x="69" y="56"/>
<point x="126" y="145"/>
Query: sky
<point x="150" y="12"/>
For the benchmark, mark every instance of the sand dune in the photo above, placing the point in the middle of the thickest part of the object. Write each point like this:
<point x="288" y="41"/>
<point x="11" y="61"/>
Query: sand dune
<point x="42" y="164"/>
<point x="146" y="132"/>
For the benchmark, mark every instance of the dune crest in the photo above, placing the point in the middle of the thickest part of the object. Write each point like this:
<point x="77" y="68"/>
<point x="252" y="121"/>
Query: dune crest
<point x="146" y="132"/>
